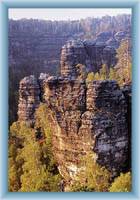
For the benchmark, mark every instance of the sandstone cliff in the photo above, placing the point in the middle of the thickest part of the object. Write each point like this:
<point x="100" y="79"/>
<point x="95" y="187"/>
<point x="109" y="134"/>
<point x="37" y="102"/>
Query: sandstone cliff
<point x="93" y="116"/>
<point x="35" y="46"/>
<point x="89" y="53"/>
<point x="29" y="100"/>
<point x="39" y="42"/>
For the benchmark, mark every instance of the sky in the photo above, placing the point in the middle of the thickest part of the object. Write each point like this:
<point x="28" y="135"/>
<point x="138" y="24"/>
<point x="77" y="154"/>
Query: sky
<point x="64" y="13"/>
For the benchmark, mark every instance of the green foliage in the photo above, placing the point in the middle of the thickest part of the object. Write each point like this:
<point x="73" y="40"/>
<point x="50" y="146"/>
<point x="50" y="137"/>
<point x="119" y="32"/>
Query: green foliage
<point x="14" y="160"/>
<point x="112" y="74"/>
<point x="34" y="173"/>
<point x="104" y="72"/>
<point x="14" y="169"/>
<point x="41" y="117"/>
<point x="97" y="76"/>
<point x="77" y="187"/>
<point x="34" y="159"/>
<point x="122" y="183"/>
<point x="122" y="76"/>
<point x="123" y="68"/>
<point x="91" y="176"/>
<point x="122" y="72"/>
<point x="90" y="77"/>
<point x="42" y="120"/>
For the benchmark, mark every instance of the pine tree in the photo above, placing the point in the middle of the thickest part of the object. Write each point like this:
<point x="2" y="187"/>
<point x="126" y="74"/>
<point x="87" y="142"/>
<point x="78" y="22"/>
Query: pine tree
<point x="90" y="77"/>
<point x="34" y="174"/>
<point x="32" y="167"/>
<point x="112" y="74"/>
<point x="124" y="64"/>
<point x="91" y="176"/>
<point x="104" y="72"/>
<point x="14" y="160"/>
<point x="122" y="183"/>
<point x="97" y="76"/>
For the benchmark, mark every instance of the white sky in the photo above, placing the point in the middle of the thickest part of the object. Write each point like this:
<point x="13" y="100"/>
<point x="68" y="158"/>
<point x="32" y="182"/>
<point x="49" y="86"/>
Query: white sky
<point x="64" y="13"/>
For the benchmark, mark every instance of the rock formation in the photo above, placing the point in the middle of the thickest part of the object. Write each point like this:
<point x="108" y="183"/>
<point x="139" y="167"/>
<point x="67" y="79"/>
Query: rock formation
<point x="29" y="99"/>
<point x="39" y="42"/>
<point x="89" y="53"/>
<point x="35" y="45"/>
<point x="87" y="116"/>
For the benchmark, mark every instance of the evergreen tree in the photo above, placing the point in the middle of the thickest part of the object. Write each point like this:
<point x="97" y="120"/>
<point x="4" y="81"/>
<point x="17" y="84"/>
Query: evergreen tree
<point x="14" y="160"/>
<point x="34" y="174"/>
<point x="14" y="170"/>
<point x="124" y="64"/>
<point x="104" y="72"/>
<point x="90" y="77"/>
<point x="122" y="183"/>
<point x="33" y="167"/>
<point x="97" y="76"/>
<point x="42" y="116"/>
<point x="91" y="176"/>
<point x="112" y="74"/>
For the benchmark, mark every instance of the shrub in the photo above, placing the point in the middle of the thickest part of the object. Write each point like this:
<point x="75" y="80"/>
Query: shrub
<point x="122" y="183"/>
<point x="90" y="76"/>
<point x="91" y="176"/>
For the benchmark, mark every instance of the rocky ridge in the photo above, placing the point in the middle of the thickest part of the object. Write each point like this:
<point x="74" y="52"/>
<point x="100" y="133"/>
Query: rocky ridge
<point x="39" y="42"/>
<point x="29" y="98"/>
<point x="89" y="53"/>
<point x="87" y="116"/>
<point x="35" y="46"/>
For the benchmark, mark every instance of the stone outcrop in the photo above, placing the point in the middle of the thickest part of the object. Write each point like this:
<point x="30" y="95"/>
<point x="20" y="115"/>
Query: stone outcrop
<point x="91" y="118"/>
<point x="39" y="42"/>
<point x="90" y="53"/>
<point x="85" y="116"/>
<point x="108" y="108"/>
<point x="35" y="45"/>
<point x="29" y="99"/>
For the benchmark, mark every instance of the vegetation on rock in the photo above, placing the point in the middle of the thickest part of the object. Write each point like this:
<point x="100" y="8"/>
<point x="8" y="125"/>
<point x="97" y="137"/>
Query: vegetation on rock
<point x="91" y="176"/>
<point x="77" y="107"/>
<point x="122" y="72"/>
<point x="31" y="163"/>
<point x="122" y="183"/>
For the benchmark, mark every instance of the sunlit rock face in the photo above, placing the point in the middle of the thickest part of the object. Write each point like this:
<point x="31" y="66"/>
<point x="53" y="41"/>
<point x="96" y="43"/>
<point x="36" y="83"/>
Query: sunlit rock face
<point x="88" y="118"/>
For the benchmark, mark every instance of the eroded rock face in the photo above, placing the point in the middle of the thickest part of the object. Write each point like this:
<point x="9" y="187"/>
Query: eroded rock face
<point x="88" y="118"/>
<point x="29" y="98"/>
<point x="85" y="117"/>
<point x="39" y="42"/>
<point x="108" y="106"/>
<point x="90" y="53"/>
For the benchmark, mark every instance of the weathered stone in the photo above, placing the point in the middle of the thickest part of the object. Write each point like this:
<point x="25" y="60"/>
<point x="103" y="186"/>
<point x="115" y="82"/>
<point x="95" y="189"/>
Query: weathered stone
<point x="104" y="36"/>
<point x="89" y="53"/>
<point x="41" y="81"/>
<point x="29" y="98"/>
<point x="40" y="41"/>
<point x="88" y="119"/>
<point x="72" y="54"/>
<point x="84" y="117"/>
<point x="107" y="124"/>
